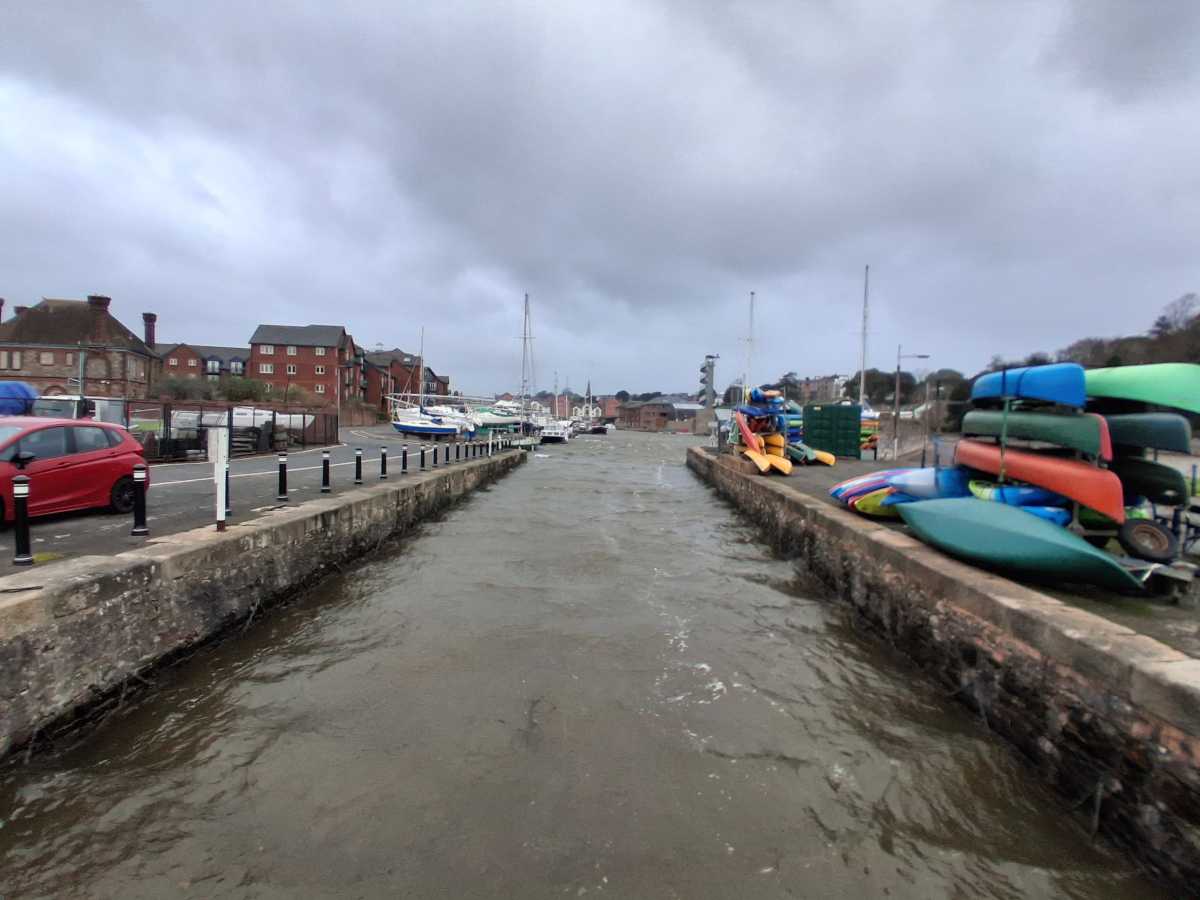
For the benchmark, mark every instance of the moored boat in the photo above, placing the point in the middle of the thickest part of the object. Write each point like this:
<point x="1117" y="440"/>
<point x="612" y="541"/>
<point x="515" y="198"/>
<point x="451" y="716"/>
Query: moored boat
<point x="1162" y="384"/>
<point x="1010" y="540"/>
<point x="1088" y="485"/>
<point x="1152" y="431"/>
<point x="1085" y="432"/>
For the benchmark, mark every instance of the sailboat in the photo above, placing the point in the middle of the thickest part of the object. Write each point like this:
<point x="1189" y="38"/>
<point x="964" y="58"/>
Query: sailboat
<point x="414" y="418"/>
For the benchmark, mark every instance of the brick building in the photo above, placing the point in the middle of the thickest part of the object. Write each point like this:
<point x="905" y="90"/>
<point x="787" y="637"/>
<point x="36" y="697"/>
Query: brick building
<point x="45" y="344"/>
<point x="320" y="359"/>
<point x="202" y="360"/>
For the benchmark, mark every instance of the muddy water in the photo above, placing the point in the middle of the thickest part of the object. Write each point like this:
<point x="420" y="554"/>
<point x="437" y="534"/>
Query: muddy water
<point x="589" y="680"/>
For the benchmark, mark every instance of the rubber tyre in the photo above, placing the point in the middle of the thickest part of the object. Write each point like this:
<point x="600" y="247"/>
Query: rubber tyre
<point x="121" y="497"/>
<point x="1148" y="540"/>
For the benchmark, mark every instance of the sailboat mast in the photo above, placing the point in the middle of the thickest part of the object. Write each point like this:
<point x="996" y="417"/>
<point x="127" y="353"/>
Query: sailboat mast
<point x="421" y="370"/>
<point x="862" y="356"/>
<point x="749" y="354"/>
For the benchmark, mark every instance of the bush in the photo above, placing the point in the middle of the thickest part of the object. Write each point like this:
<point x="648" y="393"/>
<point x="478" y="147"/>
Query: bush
<point x="237" y="389"/>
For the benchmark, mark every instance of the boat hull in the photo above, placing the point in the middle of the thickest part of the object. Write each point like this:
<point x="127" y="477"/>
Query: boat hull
<point x="1163" y="384"/>
<point x="1061" y="383"/>
<point x="1010" y="540"/>
<point x="423" y="430"/>
<point x="1152" y="431"/>
<point x="1093" y="487"/>
<point x="1087" y="433"/>
<point x="1157" y="482"/>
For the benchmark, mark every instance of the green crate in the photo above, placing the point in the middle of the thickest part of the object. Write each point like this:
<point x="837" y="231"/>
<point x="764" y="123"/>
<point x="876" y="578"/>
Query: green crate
<point x="834" y="427"/>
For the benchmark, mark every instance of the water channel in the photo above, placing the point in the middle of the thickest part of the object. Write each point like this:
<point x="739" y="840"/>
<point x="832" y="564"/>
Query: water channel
<point x="589" y="680"/>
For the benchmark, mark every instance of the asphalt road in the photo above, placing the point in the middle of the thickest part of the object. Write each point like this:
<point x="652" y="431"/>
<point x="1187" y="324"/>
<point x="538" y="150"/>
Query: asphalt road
<point x="182" y="495"/>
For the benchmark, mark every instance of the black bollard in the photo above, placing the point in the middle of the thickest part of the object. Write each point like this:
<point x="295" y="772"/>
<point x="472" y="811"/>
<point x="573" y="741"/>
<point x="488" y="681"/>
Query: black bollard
<point x="325" y="488"/>
<point x="358" y="465"/>
<point x="457" y="448"/>
<point x="383" y="463"/>
<point x="139" y="501"/>
<point x="433" y="464"/>
<point x="20" y="486"/>
<point x="228" y="499"/>
<point x="422" y="457"/>
<point x="281" y="493"/>
<point x="404" y="459"/>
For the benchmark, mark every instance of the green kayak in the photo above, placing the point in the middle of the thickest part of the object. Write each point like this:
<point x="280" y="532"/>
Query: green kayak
<point x="1077" y="431"/>
<point x="1163" y="384"/>
<point x="1157" y="482"/>
<point x="1007" y="539"/>
<point x="1154" y="431"/>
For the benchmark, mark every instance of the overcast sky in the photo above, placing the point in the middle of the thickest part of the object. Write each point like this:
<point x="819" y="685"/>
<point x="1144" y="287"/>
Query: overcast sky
<point x="1017" y="174"/>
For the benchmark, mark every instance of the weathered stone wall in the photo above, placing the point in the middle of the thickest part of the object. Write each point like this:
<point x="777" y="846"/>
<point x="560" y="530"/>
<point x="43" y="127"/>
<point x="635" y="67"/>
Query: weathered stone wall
<point x="1109" y="717"/>
<point x="71" y="636"/>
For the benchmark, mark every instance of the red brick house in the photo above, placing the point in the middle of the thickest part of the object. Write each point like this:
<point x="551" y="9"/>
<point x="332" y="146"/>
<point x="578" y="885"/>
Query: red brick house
<point x="45" y="344"/>
<point x="202" y="360"/>
<point x="320" y="359"/>
<point x="396" y="372"/>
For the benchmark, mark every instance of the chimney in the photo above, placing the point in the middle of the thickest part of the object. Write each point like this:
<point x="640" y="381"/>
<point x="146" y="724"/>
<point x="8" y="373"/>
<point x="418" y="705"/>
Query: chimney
<point x="20" y="310"/>
<point x="148" y="320"/>
<point x="99" y="306"/>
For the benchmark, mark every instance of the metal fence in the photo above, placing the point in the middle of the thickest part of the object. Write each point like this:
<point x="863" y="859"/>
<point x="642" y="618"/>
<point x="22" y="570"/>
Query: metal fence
<point x="178" y="430"/>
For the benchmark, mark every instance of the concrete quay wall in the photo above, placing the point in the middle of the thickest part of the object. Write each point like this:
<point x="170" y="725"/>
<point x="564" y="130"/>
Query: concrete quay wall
<point x="73" y="636"/>
<point x="1108" y="717"/>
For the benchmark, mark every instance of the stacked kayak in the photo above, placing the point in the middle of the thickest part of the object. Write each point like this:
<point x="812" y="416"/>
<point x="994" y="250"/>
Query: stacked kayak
<point x="769" y="433"/>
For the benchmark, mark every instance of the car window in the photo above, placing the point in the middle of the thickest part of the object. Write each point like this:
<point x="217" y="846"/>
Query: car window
<point x="46" y="443"/>
<point x="88" y="439"/>
<point x="115" y="438"/>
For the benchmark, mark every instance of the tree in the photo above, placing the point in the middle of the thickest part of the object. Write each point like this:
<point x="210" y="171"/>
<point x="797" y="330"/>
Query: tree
<point x="623" y="396"/>
<point x="236" y="389"/>
<point x="1176" y="315"/>
<point x="176" y="388"/>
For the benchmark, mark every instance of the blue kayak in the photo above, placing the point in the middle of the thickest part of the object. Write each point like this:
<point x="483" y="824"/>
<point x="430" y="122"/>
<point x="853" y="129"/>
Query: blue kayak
<point x="1015" y="494"/>
<point x="930" y="483"/>
<point x="1061" y="383"/>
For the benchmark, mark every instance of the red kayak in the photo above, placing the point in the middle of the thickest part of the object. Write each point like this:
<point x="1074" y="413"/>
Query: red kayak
<point x="1095" y="488"/>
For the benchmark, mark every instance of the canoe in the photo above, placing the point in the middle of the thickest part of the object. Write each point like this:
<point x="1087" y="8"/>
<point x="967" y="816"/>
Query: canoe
<point x="780" y="465"/>
<point x="866" y="487"/>
<point x="1157" y="482"/>
<point x="1086" y="484"/>
<point x="1008" y="539"/>
<point x="1055" y="515"/>
<point x="1153" y="431"/>
<point x="899" y="497"/>
<point x="873" y="504"/>
<point x="759" y="459"/>
<point x="1085" y="432"/>
<point x="1056" y="383"/>
<point x="749" y="438"/>
<point x="1015" y="494"/>
<point x="842" y="486"/>
<point x="801" y="452"/>
<point x="930" y="483"/>
<point x="1163" y="384"/>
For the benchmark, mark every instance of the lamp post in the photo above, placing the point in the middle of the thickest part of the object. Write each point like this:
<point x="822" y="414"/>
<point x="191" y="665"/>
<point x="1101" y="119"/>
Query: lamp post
<point x="900" y="355"/>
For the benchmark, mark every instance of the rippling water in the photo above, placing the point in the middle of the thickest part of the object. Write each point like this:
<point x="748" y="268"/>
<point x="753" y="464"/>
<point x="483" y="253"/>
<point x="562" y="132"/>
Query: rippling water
<point x="589" y="679"/>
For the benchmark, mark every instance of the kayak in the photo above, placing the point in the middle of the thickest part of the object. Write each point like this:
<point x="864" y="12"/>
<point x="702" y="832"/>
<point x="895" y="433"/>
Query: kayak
<point x="899" y="497"/>
<point x="1053" y="514"/>
<point x="866" y="487"/>
<point x="1153" y="431"/>
<point x="873" y="504"/>
<point x="775" y="440"/>
<point x="1086" y="484"/>
<point x="1061" y="383"/>
<point x="749" y="438"/>
<point x="801" y="452"/>
<point x="842" y="486"/>
<point x="1016" y="494"/>
<point x="1163" y="384"/>
<point x="779" y="464"/>
<point x="1157" y="482"/>
<point x="759" y="459"/>
<point x="929" y="483"/>
<point x="1085" y="432"/>
<point x="1010" y="540"/>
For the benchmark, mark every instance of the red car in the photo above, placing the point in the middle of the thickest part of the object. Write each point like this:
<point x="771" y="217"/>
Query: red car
<point x="71" y="464"/>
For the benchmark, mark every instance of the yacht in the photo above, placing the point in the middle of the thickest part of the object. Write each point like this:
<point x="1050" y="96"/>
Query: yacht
<point x="556" y="431"/>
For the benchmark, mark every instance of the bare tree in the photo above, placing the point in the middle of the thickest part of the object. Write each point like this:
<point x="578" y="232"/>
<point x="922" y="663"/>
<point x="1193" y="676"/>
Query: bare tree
<point x="1176" y="315"/>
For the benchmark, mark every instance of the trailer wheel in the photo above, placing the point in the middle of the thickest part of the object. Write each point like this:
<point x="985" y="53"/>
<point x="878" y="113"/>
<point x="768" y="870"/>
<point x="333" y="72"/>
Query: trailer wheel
<point x="1148" y="540"/>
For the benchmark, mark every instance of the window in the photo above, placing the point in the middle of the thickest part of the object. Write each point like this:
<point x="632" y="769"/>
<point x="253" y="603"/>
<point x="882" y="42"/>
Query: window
<point x="173" y="361"/>
<point x="291" y="351"/>
<point x="266" y="368"/>
<point x="46" y="357"/>
<point x="70" y="359"/>
<point x="212" y="366"/>
<point x="237" y="367"/>
<point x="268" y="387"/>
<point x="320" y="370"/>
<point x="320" y="388"/>
<point x="291" y="369"/>
<point x="10" y="360"/>
<point x="115" y="438"/>
<point x="266" y="349"/>
<point x="88" y="439"/>
<point x="46" y="443"/>
<point x="320" y="351"/>
<point x="193" y="362"/>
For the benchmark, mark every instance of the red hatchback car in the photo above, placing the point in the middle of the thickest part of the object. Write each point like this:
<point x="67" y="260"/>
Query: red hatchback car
<point x="71" y="464"/>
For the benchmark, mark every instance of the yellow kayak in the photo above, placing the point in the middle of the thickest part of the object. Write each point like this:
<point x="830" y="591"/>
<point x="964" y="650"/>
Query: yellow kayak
<point x="780" y="464"/>
<point x="759" y="459"/>
<point x="824" y="456"/>
<point x="774" y="440"/>
<point x="872" y="505"/>
<point x="774" y="450"/>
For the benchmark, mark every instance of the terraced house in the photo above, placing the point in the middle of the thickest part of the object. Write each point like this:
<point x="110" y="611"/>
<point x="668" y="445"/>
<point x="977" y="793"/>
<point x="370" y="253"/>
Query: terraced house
<point x="319" y="359"/>
<point x="52" y="344"/>
<point x="202" y="360"/>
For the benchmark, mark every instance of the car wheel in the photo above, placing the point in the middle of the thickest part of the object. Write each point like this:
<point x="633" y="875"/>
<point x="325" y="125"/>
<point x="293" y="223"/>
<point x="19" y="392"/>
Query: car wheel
<point x="121" y="499"/>
<point x="1148" y="540"/>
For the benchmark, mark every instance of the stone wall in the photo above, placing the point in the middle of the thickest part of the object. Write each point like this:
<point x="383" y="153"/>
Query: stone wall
<point x="74" y="635"/>
<point x="1109" y="717"/>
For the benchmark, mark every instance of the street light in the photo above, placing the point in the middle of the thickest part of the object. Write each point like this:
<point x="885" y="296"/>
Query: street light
<point x="900" y="355"/>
